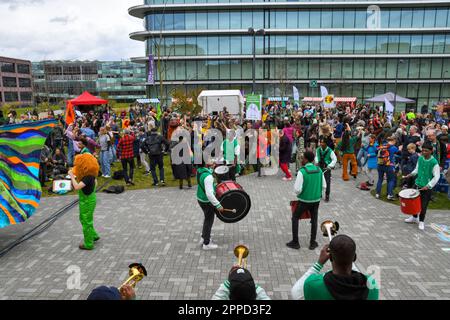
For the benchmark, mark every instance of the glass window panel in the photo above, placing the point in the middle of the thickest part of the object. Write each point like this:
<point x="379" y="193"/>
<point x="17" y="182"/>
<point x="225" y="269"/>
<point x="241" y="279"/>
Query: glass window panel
<point x="361" y="19"/>
<point x="235" y="19"/>
<point x="427" y="43"/>
<point x="425" y="68"/>
<point x="280" y="44"/>
<point x="292" y="19"/>
<point x="292" y="69"/>
<point x="224" y="45"/>
<point x="224" y="20"/>
<point x="430" y="18"/>
<point x="314" y="69"/>
<point x="303" y="19"/>
<point x="213" y="69"/>
<point x="247" y="69"/>
<point x="224" y="70"/>
<point x="168" y="21"/>
<point x="404" y="44"/>
<point x="213" y="45"/>
<point x="190" y="21"/>
<point x="416" y="44"/>
<point x="247" y="20"/>
<point x="394" y="18"/>
<point x="447" y="43"/>
<point x="325" y="69"/>
<point x="202" y="70"/>
<point x="369" y="69"/>
<point x="393" y="43"/>
<point x="202" y="21"/>
<point x="180" y="70"/>
<point x="213" y="20"/>
<point x="357" y="90"/>
<point x="338" y="19"/>
<point x="303" y="44"/>
<point x="391" y="71"/>
<point x="417" y="21"/>
<point x="380" y="68"/>
<point x="258" y="19"/>
<point x="358" y="69"/>
<point x="424" y="90"/>
<point x="439" y="43"/>
<point x="314" y="44"/>
<point x="191" y="46"/>
<point x="259" y="72"/>
<point x="169" y="70"/>
<point x="336" y="44"/>
<point x="325" y="44"/>
<point x="436" y="68"/>
<point x="348" y="44"/>
<point x="336" y="69"/>
<point x="247" y="45"/>
<point x="382" y="44"/>
<point x="368" y="90"/>
<point x="292" y="45"/>
<point x="169" y="47"/>
<point x="236" y="73"/>
<point x="347" y="69"/>
<point x="302" y="69"/>
<point x="158" y="22"/>
<point x="235" y="43"/>
<point x="414" y="68"/>
<point x="180" y="46"/>
<point x="280" y="19"/>
<point x="272" y="47"/>
<point x="202" y="46"/>
<point x="260" y="45"/>
<point x="314" y="19"/>
<point x="280" y="70"/>
<point x="441" y="18"/>
<point x="360" y="44"/>
<point x="179" y="22"/>
<point x="403" y="70"/>
<point x="385" y="18"/>
<point x="407" y="15"/>
<point x="371" y="44"/>
<point x="327" y="19"/>
<point x="349" y="18"/>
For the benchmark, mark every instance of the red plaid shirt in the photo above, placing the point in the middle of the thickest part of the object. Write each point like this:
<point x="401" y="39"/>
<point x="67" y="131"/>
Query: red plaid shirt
<point x="125" y="148"/>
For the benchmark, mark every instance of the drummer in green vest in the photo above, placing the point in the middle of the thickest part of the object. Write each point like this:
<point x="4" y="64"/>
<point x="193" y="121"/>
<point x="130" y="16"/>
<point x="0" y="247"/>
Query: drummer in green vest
<point x="308" y="186"/>
<point x="343" y="282"/>
<point x="206" y="197"/>
<point x="428" y="174"/>
<point x="326" y="159"/>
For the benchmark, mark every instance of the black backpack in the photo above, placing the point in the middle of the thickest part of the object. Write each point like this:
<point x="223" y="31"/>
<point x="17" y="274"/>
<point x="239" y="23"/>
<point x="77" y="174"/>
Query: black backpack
<point x="153" y="145"/>
<point x="115" y="189"/>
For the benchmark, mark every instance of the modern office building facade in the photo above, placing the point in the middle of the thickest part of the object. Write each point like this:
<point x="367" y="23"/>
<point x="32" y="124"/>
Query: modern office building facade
<point x="122" y="81"/>
<point x="15" y="81"/>
<point x="355" y="48"/>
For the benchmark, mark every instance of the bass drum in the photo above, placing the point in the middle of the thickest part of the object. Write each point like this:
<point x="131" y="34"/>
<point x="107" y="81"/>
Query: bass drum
<point x="233" y="198"/>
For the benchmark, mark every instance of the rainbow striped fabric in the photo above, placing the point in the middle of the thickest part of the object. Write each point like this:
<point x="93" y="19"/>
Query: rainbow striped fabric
<point x="20" y="150"/>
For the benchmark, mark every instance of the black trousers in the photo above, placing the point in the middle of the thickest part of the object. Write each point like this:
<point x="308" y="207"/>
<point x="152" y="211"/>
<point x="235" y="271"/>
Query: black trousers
<point x="257" y="167"/>
<point x="157" y="160"/>
<point x="314" y="210"/>
<point x="128" y="176"/>
<point x="425" y="197"/>
<point x="210" y="212"/>
<point x="327" y="175"/>
<point x="232" y="172"/>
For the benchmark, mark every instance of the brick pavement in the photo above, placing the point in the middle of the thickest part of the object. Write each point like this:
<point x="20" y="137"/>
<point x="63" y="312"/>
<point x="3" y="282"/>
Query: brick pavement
<point x="161" y="228"/>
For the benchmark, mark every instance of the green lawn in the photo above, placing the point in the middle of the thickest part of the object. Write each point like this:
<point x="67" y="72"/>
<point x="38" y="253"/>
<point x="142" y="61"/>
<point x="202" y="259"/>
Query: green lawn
<point x="440" y="202"/>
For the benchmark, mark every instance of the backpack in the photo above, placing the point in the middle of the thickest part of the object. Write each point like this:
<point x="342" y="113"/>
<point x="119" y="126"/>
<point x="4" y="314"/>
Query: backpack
<point x="115" y="189"/>
<point x="383" y="156"/>
<point x="153" y="145"/>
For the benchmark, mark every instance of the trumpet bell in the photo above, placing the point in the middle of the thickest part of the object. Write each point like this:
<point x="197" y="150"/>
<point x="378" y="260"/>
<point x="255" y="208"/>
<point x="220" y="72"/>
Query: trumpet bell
<point x="241" y="252"/>
<point x="329" y="228"/>
<point x="137" y="272"/>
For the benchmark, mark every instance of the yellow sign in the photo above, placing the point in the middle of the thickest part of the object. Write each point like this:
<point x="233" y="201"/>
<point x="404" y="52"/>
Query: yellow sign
<point x="329" y="99"/>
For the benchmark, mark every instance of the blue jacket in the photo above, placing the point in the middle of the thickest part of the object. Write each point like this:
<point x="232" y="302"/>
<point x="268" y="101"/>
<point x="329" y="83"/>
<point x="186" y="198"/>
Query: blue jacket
<point x="410" y="164"/>
<point x="372" y="151"/>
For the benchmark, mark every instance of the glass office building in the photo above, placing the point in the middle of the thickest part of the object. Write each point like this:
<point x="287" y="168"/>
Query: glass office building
<point x="355" y="48"/>
<point x="122" y="81"/>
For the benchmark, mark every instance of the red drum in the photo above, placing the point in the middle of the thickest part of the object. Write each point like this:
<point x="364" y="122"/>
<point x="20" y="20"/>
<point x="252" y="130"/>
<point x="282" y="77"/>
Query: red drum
<point x="234" y="200"/>
<point x="410" y="201"/>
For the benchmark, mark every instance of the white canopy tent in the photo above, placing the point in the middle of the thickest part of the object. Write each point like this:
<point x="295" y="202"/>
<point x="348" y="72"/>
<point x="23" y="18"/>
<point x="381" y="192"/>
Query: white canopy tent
<point x="216" y="100"/>
<point x="143" y="101"/>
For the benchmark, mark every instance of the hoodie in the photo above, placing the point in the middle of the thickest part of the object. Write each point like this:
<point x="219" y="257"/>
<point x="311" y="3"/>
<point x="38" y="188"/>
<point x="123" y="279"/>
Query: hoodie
<point x="353" y="287"/>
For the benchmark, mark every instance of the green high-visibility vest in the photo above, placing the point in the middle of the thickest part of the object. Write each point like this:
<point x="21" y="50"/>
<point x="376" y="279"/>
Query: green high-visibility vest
<point x="312" y="184"/>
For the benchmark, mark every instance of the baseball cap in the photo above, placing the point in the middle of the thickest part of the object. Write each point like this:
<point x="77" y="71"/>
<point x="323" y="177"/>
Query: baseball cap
<point x="242" y="285"/>
<point x="105" y="293"/>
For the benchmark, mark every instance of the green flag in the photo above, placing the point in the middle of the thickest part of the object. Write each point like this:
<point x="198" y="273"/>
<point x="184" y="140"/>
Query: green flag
<point x="159" y="112"/>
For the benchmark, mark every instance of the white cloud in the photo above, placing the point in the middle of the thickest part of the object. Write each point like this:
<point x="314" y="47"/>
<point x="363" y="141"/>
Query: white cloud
<point x="67" y="29"/>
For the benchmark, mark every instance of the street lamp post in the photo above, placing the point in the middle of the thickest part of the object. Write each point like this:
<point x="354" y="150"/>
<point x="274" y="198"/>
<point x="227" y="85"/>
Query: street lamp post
<point x="254" y="34"/>
<point x="401" y="61"/>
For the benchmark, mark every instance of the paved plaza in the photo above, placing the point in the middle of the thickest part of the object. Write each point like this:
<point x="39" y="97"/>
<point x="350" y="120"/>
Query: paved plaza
<point x="161" y="228"/>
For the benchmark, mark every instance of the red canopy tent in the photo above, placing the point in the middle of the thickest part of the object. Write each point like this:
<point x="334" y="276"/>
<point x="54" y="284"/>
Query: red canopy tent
<point x="87" y="99"/>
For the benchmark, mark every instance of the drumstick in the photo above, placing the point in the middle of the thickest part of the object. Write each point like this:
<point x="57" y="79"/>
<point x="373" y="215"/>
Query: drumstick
<point x="230" y="210"/>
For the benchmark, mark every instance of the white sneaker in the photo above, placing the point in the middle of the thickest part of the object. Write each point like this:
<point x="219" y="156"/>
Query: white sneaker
<point x="106" y="177"/>
<point x="287" y="179"/>
<point x="412" y="220"/>
<point x="377" y="196"/>
<point x="210" y="246"/>
<point x="421" y="225"/>
<point x="202" y="241"/>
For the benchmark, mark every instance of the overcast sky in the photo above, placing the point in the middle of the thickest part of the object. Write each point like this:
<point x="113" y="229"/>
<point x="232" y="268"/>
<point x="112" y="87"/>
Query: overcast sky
<point x="69" y="29"/>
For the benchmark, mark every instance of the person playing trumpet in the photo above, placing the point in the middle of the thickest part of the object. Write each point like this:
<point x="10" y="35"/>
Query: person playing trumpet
<point x="343" y="282"/>
<point x="126" y="292"/>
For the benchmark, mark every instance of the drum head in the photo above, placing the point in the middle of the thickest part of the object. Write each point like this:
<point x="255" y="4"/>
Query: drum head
<point x="409" y="193"/>
<point x="238" y="200"/>
<point x="222" y="170"/>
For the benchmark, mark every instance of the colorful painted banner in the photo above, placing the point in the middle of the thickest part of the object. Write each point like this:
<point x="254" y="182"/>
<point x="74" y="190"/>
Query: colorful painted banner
<point x="151" y="70"/>
<point x="254" y="111"/>
<point x="20" y="151"/>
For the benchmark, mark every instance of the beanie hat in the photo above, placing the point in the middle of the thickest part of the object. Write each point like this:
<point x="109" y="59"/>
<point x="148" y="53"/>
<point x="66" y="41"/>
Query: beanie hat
<point x="242" y="286"/>
<point x="105" y="293"/>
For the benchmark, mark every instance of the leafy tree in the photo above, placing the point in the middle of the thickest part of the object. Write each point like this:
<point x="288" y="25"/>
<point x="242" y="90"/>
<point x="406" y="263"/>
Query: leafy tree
<point x="184" y="103"/>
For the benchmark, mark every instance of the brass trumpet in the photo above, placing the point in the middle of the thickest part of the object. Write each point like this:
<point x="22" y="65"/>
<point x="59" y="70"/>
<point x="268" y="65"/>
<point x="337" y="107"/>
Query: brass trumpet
<point x="137" y="273"/>
<point x="329" y="228"/>
<point x="241" y="252"/>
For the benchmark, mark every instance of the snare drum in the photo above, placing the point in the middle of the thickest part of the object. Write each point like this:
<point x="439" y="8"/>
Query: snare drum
<point x="410" y="201"/>
<point x="232" y="197"/>
<point x="222" y="173"/>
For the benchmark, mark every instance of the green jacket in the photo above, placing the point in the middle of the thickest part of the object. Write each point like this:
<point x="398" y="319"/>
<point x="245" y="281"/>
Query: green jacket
<point x="312" y="183"/>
